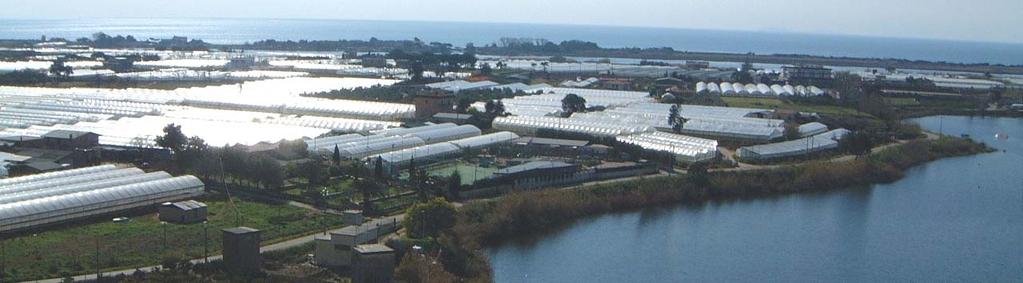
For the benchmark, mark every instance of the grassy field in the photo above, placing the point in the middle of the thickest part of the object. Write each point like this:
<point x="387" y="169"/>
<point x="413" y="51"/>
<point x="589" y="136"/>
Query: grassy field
<point x="140" y="242"/>
<point x="774" y="103"/>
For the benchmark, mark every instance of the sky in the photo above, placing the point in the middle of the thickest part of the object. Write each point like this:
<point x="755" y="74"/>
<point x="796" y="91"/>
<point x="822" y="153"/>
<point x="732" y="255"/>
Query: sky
<point x="975" y="20"/>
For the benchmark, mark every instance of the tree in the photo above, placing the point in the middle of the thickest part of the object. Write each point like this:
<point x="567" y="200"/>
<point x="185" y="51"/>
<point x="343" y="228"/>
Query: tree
<point x="858" y="143"/>
<point x="378" y="168"/>
<point x="494" y="108"/>
<point x="791" y="130"/>
<point x="697" y="174"/>
<point x="337" y="156"/>
<point x="430" y="218"/>
<point x="463" y="104"/>
<point x="572" y="103"/>
<point x="454" y="183"/>
<point x="312" y="171"/>
<point x="486" y="69"/>
<point x="190" y="153"/>
<point x="742" y="76"/>
<point x="422" y="268"/>
<point x="172" y="138"/>
<point x="675" y="119"/>
<point x="58" y="68"/>
<point x="367" y="188"/>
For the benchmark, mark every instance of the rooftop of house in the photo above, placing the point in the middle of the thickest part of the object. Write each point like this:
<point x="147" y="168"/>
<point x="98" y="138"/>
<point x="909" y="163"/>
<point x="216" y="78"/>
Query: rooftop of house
<point x="373" y="249"/>
<point x="186" y="205"/>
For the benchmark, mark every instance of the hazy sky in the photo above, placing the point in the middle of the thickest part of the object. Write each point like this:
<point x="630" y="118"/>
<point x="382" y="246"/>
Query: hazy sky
<point x="977" y="20"/>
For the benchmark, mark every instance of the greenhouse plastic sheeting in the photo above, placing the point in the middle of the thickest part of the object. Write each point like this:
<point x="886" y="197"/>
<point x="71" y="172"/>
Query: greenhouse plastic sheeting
<point x="816" y="143"/>
<point x="5" y="183"/>
<point x="30" y="213"/>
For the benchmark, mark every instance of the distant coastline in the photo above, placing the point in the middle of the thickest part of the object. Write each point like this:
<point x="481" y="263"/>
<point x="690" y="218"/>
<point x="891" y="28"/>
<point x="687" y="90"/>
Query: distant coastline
<point x="238" y="31"/>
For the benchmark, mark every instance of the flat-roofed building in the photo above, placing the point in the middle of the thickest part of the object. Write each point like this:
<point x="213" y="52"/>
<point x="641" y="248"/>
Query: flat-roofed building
<point x="373" y="263"/>
<point x="241" y="251"/>
<point x="183" y="212"/>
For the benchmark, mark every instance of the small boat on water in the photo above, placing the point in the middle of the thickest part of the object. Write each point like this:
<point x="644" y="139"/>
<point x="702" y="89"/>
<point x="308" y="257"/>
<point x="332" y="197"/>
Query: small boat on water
<point x="1001" y="136"/>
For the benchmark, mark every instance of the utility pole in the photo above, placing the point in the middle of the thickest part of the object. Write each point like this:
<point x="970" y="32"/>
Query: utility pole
<point x="3" y="258"/>
<point x="98" y="274"/>
<point x="206" y="242"/>
<point x="163" y="225"/>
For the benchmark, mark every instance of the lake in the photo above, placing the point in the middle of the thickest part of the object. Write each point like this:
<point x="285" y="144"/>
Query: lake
<point x="956" y="219"/>
<point x="459" y="33"/>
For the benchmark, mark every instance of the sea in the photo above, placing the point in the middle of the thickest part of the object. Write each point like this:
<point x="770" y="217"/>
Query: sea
<point x="460" y="33"/>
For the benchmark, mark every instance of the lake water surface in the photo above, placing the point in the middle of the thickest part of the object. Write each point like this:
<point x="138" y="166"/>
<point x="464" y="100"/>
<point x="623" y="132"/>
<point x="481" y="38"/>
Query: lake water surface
<point x="956" y="219"/>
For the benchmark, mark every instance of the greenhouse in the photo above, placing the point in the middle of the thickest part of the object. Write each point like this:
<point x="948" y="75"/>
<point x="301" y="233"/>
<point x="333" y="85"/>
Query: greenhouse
<point x="103" y="195"/>
<point x="485" y="140"/>
<point x="53" y="175"/>
<point x="685" y="148"/>
<point x="550" y="101"/>
<point x="727" y="88"/>
<point x="803" y="146"/>
<point x="406" y="131"/>
<point x="529" y="125"/>
<point x="328" y="143"/>
<point x="459" y="85"/>
<point x="96" y="183"/>
<point x="361" y="150"/>
<point x="812" y="128"/>
<point x="394" y="161"/>
<point x="446" y="134"/>
<point x="56" y="182"/>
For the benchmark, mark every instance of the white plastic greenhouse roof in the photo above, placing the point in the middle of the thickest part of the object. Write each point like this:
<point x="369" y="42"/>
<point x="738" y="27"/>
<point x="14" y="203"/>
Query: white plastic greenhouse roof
<point x="364" y="150"/>
<point x="810" y="144"/>
<point x="485" y="140"/>
<point x="59" y="174"/>
<point x="689" y="148"/>
<point x="77" y="179"/>
<point x="426" y="152"/>
<point x="727" y="88"/>
<point x="61" y="207"/>
<point x="81" y="187"/>
<point x="812" y="128"/>
<point x="459" y="85"/>
<point x="446" y="134"/>
<point x="406" y="131"/>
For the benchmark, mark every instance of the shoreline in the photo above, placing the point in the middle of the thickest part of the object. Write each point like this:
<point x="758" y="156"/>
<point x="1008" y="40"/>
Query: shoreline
<point x="517" y="217"/>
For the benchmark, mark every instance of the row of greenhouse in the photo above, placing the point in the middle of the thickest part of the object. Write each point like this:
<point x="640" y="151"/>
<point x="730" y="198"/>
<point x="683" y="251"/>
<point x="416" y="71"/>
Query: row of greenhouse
<point x="394" y="161"/>
<point x="355" y="146"/>
<point x="684" y="148"/>
<point x="705" y="121"/>
<point x="424" y="141"/>
<point x="37" y="200"/>
<point x="397" y="146"/>
<point x="549" y="102"/>
<point x="812" y="144"/>
<point x="727" y="88"/>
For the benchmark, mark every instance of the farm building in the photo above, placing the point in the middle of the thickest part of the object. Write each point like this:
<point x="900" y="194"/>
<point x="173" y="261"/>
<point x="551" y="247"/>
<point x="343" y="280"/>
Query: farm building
<point x="336" y="249"/>
<point x="183" y="212"/>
